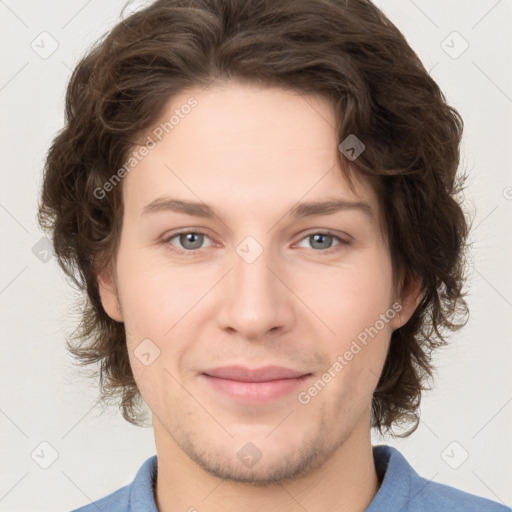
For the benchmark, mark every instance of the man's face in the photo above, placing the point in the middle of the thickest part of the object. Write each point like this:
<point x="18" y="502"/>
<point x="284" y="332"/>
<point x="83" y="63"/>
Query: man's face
<point x="253" y="285"/>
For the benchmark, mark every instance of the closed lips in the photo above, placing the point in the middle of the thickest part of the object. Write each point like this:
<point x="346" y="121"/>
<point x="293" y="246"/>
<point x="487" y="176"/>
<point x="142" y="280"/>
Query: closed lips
<point x="262" y="374"/>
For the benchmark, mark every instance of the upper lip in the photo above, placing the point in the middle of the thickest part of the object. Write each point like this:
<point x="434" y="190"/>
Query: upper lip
<point x="262" y="374"/>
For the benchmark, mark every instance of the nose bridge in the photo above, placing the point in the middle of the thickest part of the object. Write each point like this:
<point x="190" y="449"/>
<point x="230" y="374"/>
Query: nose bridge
<point x="252" y="265"/>
<point x="253" y="299"/>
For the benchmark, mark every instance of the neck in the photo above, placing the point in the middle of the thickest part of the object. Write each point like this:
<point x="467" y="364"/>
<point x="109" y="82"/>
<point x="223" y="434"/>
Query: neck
<point x="346" y="481"/>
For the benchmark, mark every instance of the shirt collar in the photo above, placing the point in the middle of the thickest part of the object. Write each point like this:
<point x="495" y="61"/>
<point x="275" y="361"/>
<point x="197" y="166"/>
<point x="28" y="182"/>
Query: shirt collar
<point x="142" y="496"/>
<point x="398" y="478"/>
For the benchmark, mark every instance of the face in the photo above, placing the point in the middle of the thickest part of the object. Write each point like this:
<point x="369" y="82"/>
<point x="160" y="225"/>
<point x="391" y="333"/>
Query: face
<point x="260" y="281"/>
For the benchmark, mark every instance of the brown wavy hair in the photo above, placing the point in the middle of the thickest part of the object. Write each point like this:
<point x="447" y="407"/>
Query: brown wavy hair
<point x="346" y="51"/>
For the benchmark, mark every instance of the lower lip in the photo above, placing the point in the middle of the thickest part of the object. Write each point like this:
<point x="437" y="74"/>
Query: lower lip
<point x="255" y="392"/>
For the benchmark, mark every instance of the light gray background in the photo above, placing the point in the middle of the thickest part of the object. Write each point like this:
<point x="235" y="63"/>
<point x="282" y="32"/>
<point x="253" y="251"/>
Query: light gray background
<point x="43" y="398"/>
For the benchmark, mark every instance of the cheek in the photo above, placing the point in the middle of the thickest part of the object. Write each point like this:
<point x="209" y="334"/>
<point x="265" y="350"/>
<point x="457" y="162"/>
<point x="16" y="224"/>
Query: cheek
<point x="355" y="309"/>
<point x="354" y="298"/>
<point x="154" y="296"/>
<point x="161" y="303"/>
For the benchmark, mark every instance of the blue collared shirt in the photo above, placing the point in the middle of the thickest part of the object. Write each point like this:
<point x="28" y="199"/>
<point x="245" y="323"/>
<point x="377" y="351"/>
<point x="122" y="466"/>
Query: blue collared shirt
<point x="402" y="490"/>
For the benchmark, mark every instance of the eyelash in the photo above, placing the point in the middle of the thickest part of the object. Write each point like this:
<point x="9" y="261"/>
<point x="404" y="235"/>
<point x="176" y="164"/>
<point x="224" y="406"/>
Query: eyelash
<point x="192" y="253"/>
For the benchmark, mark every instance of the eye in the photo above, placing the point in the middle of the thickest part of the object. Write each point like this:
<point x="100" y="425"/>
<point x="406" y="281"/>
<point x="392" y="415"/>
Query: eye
<point x="192" y="241"/>
<point x="323" y="241"/>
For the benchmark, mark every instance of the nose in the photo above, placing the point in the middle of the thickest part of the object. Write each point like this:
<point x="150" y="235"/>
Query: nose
<point x="254" y="298"/>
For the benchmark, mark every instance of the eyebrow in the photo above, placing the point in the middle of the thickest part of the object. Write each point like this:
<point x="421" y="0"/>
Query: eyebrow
<point x="301" y="210"/>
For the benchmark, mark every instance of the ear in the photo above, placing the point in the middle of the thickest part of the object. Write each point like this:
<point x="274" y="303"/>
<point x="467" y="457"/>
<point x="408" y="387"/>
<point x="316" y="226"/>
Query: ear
<point x="108" y="293"/>
<point x="410" y="296"/>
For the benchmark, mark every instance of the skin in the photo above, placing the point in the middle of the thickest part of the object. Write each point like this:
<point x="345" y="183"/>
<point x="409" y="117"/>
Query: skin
<point x="253" y="153"/>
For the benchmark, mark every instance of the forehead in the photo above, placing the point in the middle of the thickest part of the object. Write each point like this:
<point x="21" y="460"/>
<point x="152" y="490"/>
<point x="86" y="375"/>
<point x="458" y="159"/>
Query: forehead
<point x="247" y="146"/>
